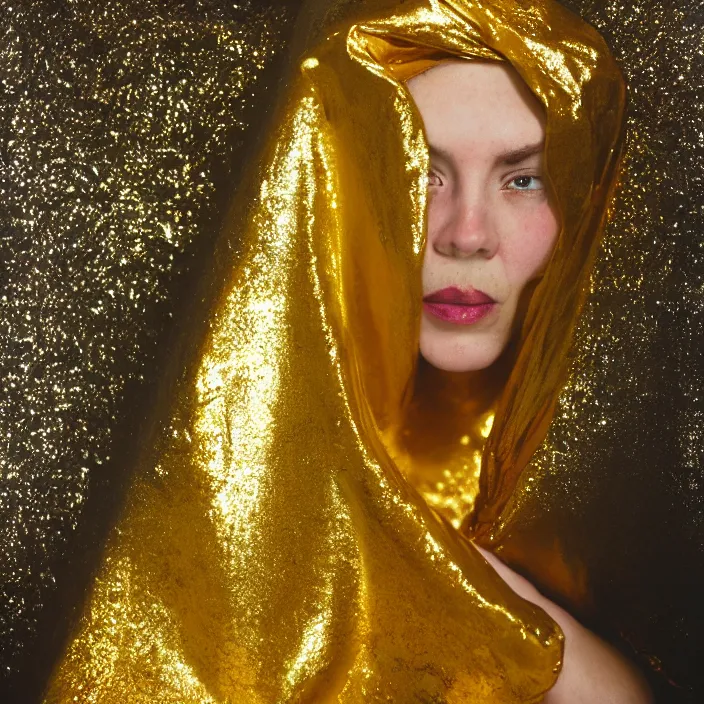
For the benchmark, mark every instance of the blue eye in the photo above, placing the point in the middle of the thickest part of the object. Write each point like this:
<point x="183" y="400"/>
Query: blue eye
<point x="525" y="183"/>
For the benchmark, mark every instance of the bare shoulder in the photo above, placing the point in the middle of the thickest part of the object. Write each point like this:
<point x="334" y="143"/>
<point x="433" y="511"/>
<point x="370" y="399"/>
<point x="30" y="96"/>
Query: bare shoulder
<point x="593" y="671"/>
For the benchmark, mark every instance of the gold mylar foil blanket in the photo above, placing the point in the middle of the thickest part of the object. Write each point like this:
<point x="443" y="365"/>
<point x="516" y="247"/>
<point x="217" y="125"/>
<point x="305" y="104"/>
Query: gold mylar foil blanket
<point x="270" y="548"/>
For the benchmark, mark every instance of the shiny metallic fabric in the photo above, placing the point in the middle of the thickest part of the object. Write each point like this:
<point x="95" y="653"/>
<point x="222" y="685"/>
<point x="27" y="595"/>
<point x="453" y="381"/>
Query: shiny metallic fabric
<point x="271" y="547"/>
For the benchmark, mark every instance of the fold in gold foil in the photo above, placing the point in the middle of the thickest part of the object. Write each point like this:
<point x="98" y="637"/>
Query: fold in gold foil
<point x="275" y="551"/>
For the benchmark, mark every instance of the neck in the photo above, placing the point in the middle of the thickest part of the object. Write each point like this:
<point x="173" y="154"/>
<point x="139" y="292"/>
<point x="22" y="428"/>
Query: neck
<point x="469" y="393"/>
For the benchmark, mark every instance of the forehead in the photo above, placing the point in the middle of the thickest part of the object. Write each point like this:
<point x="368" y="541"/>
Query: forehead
<point x="477" y="106"/>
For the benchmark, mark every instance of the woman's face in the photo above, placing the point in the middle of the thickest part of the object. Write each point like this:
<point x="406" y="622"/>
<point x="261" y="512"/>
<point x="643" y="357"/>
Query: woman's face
<point x="491" y="225"/>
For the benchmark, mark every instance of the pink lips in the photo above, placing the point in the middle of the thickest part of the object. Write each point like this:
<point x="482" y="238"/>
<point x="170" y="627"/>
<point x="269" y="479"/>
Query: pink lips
<point x="453" y="305"/>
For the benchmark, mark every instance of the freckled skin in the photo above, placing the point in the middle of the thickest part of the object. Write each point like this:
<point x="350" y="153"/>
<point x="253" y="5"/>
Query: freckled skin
<point x="491" y="225"/>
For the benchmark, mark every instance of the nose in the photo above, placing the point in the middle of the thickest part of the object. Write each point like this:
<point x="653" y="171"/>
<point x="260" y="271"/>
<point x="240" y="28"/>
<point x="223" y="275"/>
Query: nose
<point x="467" y="229"/>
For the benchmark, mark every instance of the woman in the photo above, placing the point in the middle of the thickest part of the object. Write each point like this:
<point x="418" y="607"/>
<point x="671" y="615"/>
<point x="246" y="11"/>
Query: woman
<point x="491" y="230"/>
<point x="274" y="550"/>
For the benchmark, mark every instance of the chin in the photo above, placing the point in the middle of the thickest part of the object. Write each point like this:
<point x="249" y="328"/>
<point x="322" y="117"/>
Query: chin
<point x="463" y="359"/>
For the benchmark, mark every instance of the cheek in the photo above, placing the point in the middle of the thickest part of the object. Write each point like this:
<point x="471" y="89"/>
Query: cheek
<point x="529" y="248"/>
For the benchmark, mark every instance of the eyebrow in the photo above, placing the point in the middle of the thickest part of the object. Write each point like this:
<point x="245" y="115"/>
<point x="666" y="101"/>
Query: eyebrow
<point x="509" y="158"/>
<point x="516" y="156"/>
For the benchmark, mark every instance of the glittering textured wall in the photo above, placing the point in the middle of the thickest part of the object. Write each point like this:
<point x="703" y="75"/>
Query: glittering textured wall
<point x="623" y="464"/>
<point x="122" y="127"/>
